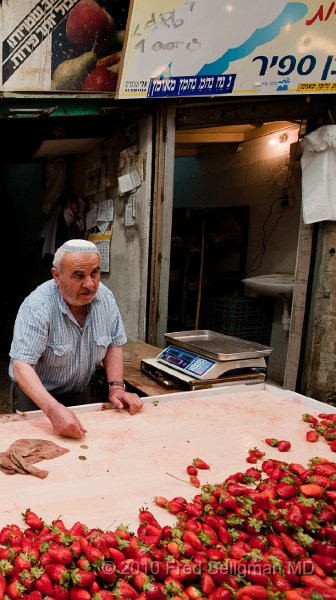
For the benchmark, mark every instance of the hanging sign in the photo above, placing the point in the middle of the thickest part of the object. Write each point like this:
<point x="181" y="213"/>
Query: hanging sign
<point x="179" y="48"/>
<point x="61" y="45"/>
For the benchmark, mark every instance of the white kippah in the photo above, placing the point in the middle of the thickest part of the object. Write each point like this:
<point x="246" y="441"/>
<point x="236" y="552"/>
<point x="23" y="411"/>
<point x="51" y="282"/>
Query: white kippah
<point x="83" y="246"/>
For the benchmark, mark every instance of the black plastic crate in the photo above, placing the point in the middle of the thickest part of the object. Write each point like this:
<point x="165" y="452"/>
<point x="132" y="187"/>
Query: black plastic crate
<point x="245" y="318"/>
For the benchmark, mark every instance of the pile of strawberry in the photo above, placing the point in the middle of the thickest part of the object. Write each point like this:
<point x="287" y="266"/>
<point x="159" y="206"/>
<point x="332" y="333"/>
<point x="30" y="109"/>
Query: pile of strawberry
<point x="322" y="427"/>
<point x="265" y="533"/>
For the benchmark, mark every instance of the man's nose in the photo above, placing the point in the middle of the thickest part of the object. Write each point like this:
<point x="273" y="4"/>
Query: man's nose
<point x="89" y="283"/>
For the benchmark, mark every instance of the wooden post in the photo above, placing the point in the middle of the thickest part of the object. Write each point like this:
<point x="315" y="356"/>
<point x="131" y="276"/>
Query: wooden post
<point x="162" y="208"/>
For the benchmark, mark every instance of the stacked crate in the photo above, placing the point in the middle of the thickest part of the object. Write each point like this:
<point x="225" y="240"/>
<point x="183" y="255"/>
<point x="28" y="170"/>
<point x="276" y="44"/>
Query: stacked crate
<point x="241" y="317"/>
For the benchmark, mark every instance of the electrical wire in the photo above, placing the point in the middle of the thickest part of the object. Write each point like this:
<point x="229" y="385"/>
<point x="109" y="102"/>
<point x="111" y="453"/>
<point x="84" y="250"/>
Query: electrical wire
<point x="266" y="237"/>
<point x="261" y="252"/>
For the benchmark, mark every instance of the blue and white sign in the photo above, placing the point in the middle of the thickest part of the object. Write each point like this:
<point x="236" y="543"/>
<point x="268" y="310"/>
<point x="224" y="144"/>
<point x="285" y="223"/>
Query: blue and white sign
<point x="250" y="47"/>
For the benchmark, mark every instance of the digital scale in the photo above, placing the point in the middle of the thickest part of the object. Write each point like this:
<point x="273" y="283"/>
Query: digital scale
<point x="203" y="358"/>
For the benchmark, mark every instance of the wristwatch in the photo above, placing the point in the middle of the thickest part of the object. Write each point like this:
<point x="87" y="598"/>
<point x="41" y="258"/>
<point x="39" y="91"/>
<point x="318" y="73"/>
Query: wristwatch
<point x="117" y="384"/>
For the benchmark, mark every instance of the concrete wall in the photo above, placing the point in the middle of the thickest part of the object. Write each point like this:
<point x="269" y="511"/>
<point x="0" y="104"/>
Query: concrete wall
<point x="128" y="276"/>
<point x="259" y="175"/>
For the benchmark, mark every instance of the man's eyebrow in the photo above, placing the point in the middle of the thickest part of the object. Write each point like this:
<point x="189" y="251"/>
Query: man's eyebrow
<point x="78" y="272"/>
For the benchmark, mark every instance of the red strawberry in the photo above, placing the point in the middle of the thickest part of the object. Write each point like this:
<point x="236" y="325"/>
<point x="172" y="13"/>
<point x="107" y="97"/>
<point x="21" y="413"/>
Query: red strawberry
<point x="325" y="470"/>
<point x="104" y="595"/>
<point x="312" y="436"/>
<point x="193" y="592"/>
<point x="43" y="583"/>
<point x="194" y="481"/>
<point x="284" y="446"/>
<point x="146" y="517"/>
<point x="327" y="563"/>
<point x="32" y="520"/>
<point x="222" y="593"/>
<point x="94" y="588"/>
<point x="272" y="442"/>
<point x="312" y="490"/>
<point x="60" y="554"/>
<point x="256" y="452"/>
<point x="116" y="555"/>
<point x="82" y="578"/>
<point x="191" y="470"/>
<point x="207" y="584"/>
<point x="310" y="419"/>
<point x="191" y="537"/>
<point x="110" y="539"/>
<point x="83" y="564"/>
<point x="295" y="516"/>
<point x="15" y="590"/>
<point x="139" y="580"/>
<point x="34" y="595"/>
<point x="123" y="590"/>
<point x="78" y="528"/>
<point x="107" y="572"/>
<point x="57" y="572"/>
<point x="155" y="591"/>
<point x="256" y="592"/>
<point x="286" y="490"/>
<point x="21" y="563"/>
<point x="123" y="532"/>
<point x="3" y="586"/>
<point x="200" y="464"/>
<point x="293" y="548"/>
<point x="161" y="501"/>
<point x="79" y="594"/>
<point x="94" y="555"/>
<point x="60" y="593"/>
<point x="45" y="559"/>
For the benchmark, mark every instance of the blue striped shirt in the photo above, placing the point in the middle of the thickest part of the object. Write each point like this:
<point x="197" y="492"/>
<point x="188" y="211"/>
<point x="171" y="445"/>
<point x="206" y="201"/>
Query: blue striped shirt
<point x="46" y="334"/>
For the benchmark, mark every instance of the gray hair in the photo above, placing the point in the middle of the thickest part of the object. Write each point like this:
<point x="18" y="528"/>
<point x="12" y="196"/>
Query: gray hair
<point x="78" y="246"/>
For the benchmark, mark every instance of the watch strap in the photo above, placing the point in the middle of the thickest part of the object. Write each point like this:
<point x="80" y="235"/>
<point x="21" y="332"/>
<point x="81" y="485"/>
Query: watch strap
<point x="117" y="384"/>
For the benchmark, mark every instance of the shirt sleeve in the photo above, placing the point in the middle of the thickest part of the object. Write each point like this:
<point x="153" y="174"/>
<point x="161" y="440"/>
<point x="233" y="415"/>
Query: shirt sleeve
<point x="117" y="328"/>
<point x="30" y="335"/>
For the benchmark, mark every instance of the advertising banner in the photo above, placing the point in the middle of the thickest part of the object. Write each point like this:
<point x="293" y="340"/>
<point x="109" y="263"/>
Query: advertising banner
<point x="179" y="48"/>
<point x="61" y="45"/>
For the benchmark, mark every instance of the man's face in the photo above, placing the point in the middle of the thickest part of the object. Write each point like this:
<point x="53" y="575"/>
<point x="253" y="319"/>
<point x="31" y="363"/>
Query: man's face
<point x="79" y="278"/>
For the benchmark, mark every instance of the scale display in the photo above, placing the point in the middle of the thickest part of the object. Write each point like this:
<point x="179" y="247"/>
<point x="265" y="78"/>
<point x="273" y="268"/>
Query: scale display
<point x="186" y="361"/>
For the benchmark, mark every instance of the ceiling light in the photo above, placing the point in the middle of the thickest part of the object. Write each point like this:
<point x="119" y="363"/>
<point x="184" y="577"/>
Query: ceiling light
<point x="278" y="140"/>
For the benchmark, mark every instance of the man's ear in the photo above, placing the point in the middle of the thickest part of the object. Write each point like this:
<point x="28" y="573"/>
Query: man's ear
<point x="55" y="274"/>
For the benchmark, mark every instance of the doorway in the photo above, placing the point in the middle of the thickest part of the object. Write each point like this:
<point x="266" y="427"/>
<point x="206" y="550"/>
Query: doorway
<point x="239" y="187"/>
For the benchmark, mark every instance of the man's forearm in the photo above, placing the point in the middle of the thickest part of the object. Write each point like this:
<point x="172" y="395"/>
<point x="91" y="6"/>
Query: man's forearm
<point x="114" y="364"/>
<point x="30" y="383"/>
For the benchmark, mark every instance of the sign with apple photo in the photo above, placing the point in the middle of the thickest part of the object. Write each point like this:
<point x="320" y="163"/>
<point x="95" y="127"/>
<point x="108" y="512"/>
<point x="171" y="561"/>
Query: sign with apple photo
<point x="62" y="45"/>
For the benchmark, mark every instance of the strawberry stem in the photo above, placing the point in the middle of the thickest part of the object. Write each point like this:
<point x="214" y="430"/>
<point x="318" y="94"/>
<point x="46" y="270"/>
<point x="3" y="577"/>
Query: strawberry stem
<point x="179" y="479"/>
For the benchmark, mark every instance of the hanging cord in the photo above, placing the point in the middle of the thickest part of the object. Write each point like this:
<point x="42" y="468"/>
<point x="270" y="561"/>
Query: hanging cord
<point x="265" y="239"/>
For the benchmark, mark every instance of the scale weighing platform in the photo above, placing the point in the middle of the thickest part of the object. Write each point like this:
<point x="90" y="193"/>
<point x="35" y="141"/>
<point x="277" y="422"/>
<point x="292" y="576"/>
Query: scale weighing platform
<point x="202" y="358"/>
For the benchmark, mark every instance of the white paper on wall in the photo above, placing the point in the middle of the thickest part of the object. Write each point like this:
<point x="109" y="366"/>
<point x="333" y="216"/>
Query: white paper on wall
<point x="318" y="164"/>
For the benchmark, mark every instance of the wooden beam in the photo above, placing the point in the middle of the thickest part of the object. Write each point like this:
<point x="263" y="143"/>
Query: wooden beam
<point x="185" y="137"/>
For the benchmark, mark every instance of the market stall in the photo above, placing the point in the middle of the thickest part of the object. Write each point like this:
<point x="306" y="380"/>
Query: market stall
<point x="123" y="461"/>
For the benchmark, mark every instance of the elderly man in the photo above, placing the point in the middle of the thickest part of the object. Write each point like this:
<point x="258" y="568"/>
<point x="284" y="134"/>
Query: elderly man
<point x="63" y="330"/>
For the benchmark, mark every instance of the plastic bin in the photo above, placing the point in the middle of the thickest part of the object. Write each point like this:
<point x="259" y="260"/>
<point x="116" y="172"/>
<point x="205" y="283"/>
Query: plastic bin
<point x="245" y="318"/>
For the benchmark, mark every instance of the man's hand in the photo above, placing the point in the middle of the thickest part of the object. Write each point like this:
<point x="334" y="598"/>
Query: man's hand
<point x="121" y="399"/>
<point x="65" y="422"/>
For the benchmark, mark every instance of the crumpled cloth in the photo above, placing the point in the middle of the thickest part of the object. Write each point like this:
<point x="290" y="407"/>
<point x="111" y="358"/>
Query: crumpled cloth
<point x="318" y="164"/>
<point x="22" y="454"/>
